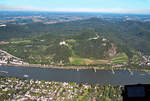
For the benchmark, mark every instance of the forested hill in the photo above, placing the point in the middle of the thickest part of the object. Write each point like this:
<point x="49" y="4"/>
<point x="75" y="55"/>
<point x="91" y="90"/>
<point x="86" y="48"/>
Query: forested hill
<point x="85" y="37"/>
<point x="133" y="34"/>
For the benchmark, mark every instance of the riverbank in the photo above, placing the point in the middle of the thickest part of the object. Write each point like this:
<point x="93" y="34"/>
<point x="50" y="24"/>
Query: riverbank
<point x="94" y="68"/>
<point x="56" y="66"/>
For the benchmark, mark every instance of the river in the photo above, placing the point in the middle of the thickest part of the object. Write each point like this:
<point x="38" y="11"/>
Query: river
<point x="104" y="77"/>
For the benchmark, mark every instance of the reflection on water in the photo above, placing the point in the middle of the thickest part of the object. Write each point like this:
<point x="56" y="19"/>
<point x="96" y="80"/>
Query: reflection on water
<point x="105" y="77"/>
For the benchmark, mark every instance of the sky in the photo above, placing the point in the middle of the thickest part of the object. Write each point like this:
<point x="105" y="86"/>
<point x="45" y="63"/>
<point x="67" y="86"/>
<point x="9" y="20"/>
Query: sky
<point x="110" y="6"/>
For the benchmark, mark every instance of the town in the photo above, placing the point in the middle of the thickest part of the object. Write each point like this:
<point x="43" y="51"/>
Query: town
<point x="15" y="89"/>
<point x="6" y="58"/>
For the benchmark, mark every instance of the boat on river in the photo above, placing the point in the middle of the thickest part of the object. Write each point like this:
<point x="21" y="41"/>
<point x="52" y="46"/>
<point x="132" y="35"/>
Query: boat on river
<point x="26" y="76"/>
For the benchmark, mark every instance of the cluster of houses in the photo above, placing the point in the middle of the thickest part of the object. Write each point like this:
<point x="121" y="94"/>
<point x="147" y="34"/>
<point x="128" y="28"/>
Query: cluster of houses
<point x="39" y="90"/>
<point x="63" y="43"/>
<point x="146" y="61"/>
<point x="6" y="58"/>
<point x="36" y="90"/>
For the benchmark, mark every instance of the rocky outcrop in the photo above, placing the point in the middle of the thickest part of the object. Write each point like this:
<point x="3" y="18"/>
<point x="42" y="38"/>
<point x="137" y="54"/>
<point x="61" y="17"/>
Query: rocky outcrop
<point x="113" y="50"/>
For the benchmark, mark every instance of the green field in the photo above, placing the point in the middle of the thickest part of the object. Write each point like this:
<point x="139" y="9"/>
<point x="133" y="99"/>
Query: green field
<point x="86" y="61"/>
<point x="21" y="41"/>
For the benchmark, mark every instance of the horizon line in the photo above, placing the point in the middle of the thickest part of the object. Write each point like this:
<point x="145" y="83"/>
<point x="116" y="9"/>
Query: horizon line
<point x="121" y="13"/>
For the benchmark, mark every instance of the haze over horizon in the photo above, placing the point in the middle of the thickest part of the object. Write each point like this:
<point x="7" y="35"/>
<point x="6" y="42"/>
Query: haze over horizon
<point x="106" y="6"/>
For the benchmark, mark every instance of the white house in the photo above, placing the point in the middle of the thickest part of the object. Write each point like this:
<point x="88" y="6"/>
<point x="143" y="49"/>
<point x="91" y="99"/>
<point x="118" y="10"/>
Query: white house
<point x="104" y="39"/>
<point x="62" y="43"/>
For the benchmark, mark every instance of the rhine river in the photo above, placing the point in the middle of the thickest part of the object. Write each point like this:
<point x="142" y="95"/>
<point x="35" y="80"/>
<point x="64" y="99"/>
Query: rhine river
<point x="104" y="77"/>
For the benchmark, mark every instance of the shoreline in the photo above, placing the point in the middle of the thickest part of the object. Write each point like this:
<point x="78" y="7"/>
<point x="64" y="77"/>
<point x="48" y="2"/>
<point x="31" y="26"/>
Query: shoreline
<point x="77" y="67"/>
<point x="54" y="66"/>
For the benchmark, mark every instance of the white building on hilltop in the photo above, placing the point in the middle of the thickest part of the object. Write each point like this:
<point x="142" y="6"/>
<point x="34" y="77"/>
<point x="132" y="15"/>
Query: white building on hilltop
<point x="63" y="43"/>
<point x="104" y="39"/>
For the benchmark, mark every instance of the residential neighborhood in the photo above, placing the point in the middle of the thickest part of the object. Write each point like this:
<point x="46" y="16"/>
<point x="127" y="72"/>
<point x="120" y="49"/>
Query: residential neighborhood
<point x="14" y="89"/>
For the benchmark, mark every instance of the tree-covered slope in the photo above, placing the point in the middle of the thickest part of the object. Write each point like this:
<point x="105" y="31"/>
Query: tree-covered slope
<point x="83" y="42"/>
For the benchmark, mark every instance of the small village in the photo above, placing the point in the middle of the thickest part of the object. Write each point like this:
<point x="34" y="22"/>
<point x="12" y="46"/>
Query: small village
<point x="6" y="58"/>
<point x="146" y="61"/>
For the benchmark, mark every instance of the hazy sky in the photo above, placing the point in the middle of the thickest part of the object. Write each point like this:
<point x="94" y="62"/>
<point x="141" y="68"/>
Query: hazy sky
<point x="119" y="6"/>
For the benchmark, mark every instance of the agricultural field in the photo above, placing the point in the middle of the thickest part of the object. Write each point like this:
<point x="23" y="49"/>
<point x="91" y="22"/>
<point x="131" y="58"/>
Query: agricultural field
<point x="120" y="58"/>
